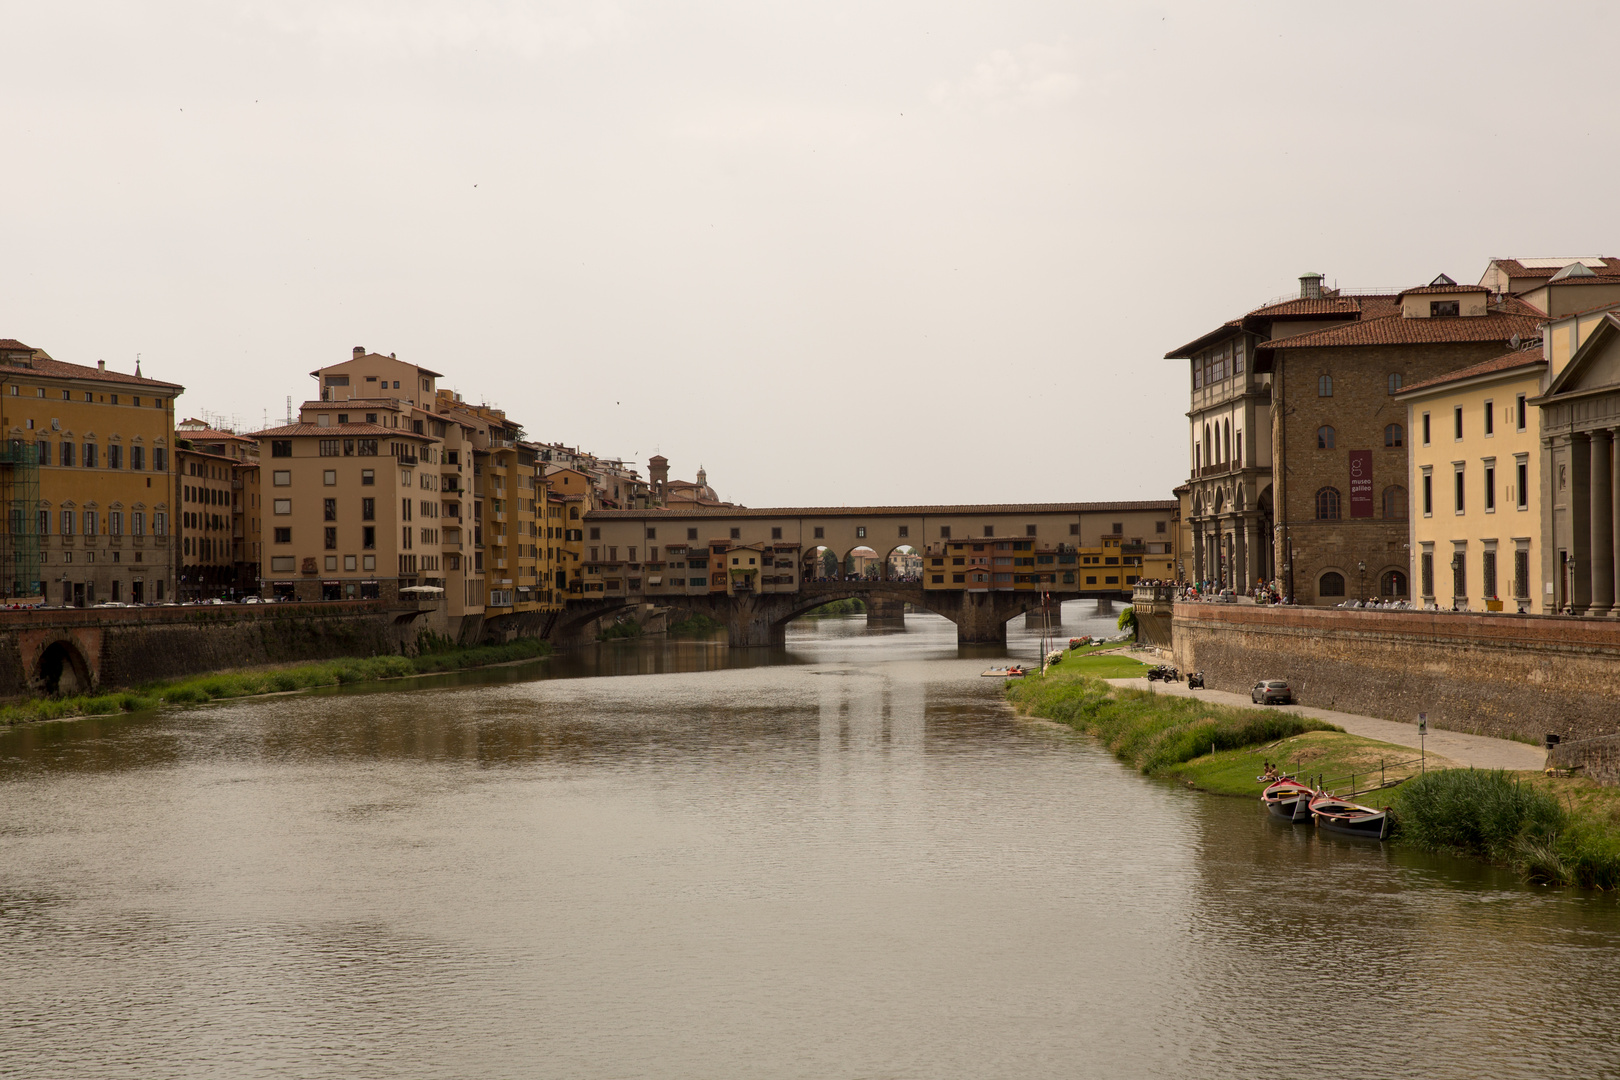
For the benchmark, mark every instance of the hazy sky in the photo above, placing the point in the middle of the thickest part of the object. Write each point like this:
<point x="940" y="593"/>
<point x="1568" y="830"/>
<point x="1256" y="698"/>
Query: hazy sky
<point x="838" y="253"/>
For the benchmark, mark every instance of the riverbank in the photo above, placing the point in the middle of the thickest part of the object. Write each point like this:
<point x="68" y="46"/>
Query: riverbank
<point x="255" y="682"/>
<point x="1555" y="831"/>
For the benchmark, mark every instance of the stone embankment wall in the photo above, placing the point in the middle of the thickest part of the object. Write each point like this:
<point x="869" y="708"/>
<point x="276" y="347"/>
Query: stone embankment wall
<point x="114" y="648"/>
<point x="1511" y="676"/>
<point x="1598" y="759"/>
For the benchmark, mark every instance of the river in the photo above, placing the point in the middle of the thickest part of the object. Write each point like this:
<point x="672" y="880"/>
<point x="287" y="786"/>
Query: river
<point x="845" y="858"/>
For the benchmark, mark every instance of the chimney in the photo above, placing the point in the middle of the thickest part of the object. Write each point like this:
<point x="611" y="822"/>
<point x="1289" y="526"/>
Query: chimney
<point x="360" y="350"/>
<point x="101" y="365"/>
<point x="1310" y="286"/>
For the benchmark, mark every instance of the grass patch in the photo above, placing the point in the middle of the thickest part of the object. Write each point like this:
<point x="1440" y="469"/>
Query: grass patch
<point x="1535" y="824"/>
<point x="345" y="671"/>
<point x="696" y="624"/>
<point x="1150" y="732"/>
<point x="1106" y="665"/>
<point x="1336" y="756"/>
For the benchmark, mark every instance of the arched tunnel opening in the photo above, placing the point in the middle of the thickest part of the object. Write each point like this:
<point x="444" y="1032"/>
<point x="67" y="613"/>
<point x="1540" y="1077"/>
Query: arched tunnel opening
<point x="62" y="669"/>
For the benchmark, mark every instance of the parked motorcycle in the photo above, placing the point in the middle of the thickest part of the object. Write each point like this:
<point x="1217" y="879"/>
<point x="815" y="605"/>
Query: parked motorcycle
<point x="1195" y="680"/>
<point x="1163" y="672"/>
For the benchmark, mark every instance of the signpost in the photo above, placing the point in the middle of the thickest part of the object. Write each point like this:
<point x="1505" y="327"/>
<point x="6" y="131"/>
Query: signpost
<point x="1423" y="742"/>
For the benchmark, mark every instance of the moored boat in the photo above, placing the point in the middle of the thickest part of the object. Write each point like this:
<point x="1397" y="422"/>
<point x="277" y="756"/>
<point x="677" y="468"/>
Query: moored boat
<point x="1288" y="799"/>
<point x="1016" y="671"/>
<point x="1349" y="819"/>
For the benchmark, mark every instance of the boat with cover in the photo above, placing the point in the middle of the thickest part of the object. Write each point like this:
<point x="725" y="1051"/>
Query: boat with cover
<point x="1349" y="819"/>
<point x="1288" y="799"/>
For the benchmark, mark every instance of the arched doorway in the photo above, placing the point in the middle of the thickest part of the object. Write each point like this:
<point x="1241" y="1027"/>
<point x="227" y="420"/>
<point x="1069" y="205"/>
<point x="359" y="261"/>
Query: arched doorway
<point x="904" y="563"/>
<point x="63" y="670"/>
<point x="821" y="564"/>
<point x="862" y="564"/>
<point x="1393" y="584"/>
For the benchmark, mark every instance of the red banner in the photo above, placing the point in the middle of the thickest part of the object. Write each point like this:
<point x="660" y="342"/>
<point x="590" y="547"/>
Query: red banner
<point x="1361" y="484"/>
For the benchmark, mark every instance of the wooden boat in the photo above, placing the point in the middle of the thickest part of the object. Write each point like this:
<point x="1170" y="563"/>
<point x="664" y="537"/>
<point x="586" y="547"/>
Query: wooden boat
<point x="1349" y="819"/>
<point x="1288" y="799"/>
<point x="1014" y="672"/>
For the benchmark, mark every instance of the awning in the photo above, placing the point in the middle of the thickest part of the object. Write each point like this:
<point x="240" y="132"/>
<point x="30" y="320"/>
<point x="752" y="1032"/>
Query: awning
<point x="656" y="579"/>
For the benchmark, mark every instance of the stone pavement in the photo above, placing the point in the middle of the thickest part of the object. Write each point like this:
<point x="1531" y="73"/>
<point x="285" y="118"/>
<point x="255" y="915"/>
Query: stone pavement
<point x="1479" y="751"/>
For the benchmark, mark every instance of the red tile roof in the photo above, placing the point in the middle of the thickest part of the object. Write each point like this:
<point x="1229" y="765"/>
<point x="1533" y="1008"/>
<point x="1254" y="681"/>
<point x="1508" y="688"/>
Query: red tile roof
<point x="12" y="345"/>
<point x="889" y="511"/>
<point x="1396" y="330"/>
<point x="1518" y="358"/>
<point x="1422" y="289"/>
<point x="1515" y="268"/>
<point x="291" y="430"/>
<point x="41" y="364"/>
<point x="1341" y="306"/>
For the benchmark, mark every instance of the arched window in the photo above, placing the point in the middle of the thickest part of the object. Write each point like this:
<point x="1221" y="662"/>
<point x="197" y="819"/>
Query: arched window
<point x="1394" y="436"/>
<point x="1229" y="440"/>
<point x="1324" y="386"/>
<point x="1327" y="504"/>
<point x="1393" y="583"/>
<point x="1395" y="503"/>
<point x="1324" y="438"/>
<point x="573" y="513"/>
<point x="1331" y="584"/>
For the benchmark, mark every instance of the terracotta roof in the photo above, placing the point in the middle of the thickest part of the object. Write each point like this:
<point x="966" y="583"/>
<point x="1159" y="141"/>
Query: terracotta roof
<point x="352" y="402"/>
<point x="1604" y="278"/>
<point x="1512" y="305"/>
<point x="289" y="430"/>
<point x="1397" y="330"/>
<point x="208" y="433"/>
<point x="1422" y="289"/>
<point x="890" y="511"/>
<point x="1342" y="306"/>
<point x="1515" y="268"/>
<point x="1222" y="331"/>
<point x="1519" y="358"/>
<point x="41" y="364"/>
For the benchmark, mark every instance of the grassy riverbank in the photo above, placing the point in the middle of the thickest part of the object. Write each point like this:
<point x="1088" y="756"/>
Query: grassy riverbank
<point x="1555" y="831"/>
<point x="248" y="683"/>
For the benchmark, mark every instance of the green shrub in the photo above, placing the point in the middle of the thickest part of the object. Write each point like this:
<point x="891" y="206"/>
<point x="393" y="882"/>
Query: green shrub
<point x="696" y="624"/>
<point x="1476" y="811"/>
<point x="1127" y="620"/>
<point x="629" y="628"/>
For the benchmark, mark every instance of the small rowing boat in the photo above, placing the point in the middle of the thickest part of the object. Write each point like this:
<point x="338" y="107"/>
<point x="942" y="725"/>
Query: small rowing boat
<point x="1349" y="819"/>
<point x="1288" y="799"/>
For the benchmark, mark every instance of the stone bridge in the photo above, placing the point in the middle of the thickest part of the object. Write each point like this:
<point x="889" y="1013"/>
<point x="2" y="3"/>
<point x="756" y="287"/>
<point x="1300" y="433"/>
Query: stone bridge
<point x="761" y="619"/>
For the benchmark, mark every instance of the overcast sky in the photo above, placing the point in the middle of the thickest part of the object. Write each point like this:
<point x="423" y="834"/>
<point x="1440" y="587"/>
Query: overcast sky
<point x="838" y="253"/>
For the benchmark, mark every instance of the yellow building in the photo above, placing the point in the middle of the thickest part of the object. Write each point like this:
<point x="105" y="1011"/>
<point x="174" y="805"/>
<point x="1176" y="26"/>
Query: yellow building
<point x="86" y="477"/>
<point x="1475" y="469"/>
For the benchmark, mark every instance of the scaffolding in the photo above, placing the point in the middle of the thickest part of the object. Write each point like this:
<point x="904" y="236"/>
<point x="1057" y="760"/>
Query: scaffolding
<point x="20" y="540"/>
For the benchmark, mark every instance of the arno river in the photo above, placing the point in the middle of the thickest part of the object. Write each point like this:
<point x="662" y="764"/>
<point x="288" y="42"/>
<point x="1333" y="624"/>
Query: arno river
<point x="844" y="859"/>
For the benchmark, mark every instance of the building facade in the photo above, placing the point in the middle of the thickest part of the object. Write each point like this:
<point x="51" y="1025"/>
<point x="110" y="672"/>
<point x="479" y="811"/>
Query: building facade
<point x="87" y="481"/>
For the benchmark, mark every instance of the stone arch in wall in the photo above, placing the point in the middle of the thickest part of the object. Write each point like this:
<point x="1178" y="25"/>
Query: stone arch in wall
<point x="63" y="669"/>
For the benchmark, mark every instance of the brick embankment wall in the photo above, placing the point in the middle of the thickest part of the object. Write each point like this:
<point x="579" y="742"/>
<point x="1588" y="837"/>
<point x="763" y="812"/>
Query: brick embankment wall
<point x="1598" y="759"/>
<point x="1503" y="675"/>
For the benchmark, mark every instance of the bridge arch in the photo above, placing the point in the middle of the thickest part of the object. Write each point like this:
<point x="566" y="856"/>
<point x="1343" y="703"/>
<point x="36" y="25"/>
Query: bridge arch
<point x="62" y="668"/>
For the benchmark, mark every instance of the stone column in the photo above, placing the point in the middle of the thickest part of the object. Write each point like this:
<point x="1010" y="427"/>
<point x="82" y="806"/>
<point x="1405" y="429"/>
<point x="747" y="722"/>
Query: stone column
<point x="1197" y="568"/>
<point x="1251" y="546"/>
<point x="1600" y="484"/>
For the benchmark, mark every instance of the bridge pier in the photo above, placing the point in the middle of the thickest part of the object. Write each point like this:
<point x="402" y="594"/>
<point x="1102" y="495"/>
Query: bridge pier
<point x="885" y="613"/>
<point x="981" y="621"/>
<point x="1033" y="619"/>
<point x="753" y="622"/>
<point x="1105" y="606"/>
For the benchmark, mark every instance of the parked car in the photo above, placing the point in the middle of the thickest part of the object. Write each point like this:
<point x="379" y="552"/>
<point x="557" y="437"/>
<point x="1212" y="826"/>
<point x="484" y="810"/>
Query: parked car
<point x="252" y="600"/>
<point x="1272" y="692"/>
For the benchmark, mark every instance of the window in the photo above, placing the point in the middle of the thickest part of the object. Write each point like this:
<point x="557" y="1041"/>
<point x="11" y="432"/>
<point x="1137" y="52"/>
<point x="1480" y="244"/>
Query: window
<point x="283" y="535"/>
<point x="281" y="478"/>
<point x="329" y="477"/>
<point x="1324" y="438"/>
<point x="137" y="456"/>
<point x="1521" y="574"/>
<point x="1442" y="308"/>
<point x="367" y="447"/>
<point x="1331" y="584"/>
<point x="115" y="456"/>
<point x="1394" y="382"/>
<point x="736" y="534"/>
<point x="1428" y="495"/>
<point x="820" y="533"/>
<point x="283" y="564"/>
<point x="944" y="532"/>
<point x="1425" y="429"/>
<point x="160" y="459"/>
<point x="1158" y="527"/>
<point x="1490" y="424"/>
<point x="1029" y="530"/>
<point x="652" y="534"/>
<point x="368" y="538"/>
<point x="1487" y="566"/>
<point x="1456" y="420"/>
<point x="1459" y="573"/>
<point x="905" y="531"/>
<point x="1394" y="435"/>
<point x="1457" y="492"/>
<point x="44" y="449"/>
<point x="1324" y="386"/>
<point x="368" y="477"/>
<point x="1118" y="528"/>
<point x="115" y="522"/>
<point x="989" y="530"/>
<point x="1427" y="565"/>
<point x="331" y="538"/>
<point x="281" y="448"/>
<point x="368" y="510"/>
<point x="1521" y="408"/>
<point x="1392" y="583"/>
<point x="329" y="510"/>
<point x="67" y="454"/>
<point x="1522" y="483"/>
<point x="331" y="447"/>
<point x="691" y="534"/>
<point x="596" y="532"/>
<point x="776" y="534"/>
<point x="1490" y="495"/>
<point x="1395" y="503"/>
<point x="1327" y="504"/>
<point x="282" y="506"/>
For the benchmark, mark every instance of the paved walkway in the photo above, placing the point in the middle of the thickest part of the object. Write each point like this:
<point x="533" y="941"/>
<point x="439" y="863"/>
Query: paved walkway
<point x="1480" y="751"/>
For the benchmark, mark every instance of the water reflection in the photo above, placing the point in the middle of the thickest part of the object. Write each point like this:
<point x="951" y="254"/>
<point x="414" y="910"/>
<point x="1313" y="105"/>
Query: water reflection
<point x="844" y="857"/>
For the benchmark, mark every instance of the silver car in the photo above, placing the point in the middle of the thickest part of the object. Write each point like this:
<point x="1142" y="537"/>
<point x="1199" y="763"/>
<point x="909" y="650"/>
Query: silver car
<point x="1272" y="692"/>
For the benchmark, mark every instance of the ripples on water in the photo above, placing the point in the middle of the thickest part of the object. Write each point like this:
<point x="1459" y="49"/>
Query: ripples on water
<point x="845" y="858"/>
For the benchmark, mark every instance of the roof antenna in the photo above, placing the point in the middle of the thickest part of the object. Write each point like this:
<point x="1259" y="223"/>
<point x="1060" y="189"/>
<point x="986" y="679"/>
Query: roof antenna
<point x="289" y="408"/>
